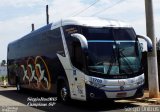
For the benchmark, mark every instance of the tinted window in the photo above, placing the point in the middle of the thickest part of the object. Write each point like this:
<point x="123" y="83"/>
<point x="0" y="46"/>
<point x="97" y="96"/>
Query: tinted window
<point x="108" y="33"/>
<point x="46" y="44"/>
<point x="124" y="34"/>
<point x="74" y="48"/>
<point x="68" y="30"/>
<point x="97" y="33"/>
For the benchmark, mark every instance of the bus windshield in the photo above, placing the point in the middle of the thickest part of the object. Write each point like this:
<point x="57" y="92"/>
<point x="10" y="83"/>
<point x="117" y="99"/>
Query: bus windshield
<point x="113" y="51"/>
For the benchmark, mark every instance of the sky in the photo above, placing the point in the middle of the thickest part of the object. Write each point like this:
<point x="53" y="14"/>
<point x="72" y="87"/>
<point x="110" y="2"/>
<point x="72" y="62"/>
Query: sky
<point x="16" y="16"/>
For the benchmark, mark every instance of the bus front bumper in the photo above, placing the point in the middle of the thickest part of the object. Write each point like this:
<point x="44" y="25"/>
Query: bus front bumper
<point x="94" y="93"/>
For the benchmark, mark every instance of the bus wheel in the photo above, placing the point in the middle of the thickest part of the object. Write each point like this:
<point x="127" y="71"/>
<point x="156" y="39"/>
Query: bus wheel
<point x="64" y="93"/>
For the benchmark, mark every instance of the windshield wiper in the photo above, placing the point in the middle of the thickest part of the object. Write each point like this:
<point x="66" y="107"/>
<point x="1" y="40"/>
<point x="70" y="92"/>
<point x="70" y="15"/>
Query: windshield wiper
<point x="126" y="60"/>
<point x="99" y="63"/>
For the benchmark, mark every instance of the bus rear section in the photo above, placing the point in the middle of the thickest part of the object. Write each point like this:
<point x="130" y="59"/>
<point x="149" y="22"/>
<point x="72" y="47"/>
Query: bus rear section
<point x="32" y="60"/>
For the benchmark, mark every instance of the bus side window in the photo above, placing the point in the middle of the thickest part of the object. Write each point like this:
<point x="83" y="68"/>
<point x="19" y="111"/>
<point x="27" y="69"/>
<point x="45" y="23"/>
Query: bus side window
<point x="77" y="55"/>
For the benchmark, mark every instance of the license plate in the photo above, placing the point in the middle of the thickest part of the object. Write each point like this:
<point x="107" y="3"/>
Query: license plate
<point x="122" y="94"/>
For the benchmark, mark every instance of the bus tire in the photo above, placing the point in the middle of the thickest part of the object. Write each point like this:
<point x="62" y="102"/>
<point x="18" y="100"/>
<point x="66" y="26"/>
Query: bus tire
<point x="63" y="93"/>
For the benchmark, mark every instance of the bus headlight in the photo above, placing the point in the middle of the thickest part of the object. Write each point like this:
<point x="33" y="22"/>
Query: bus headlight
<point x="140" y="81"/>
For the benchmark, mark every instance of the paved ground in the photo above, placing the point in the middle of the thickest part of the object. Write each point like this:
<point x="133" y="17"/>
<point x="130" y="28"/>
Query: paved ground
<point x="146" y="98"/>
<point x="11" y="100"/>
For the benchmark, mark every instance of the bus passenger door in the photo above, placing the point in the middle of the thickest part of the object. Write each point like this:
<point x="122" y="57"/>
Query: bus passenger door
<point x="78" y="71"/>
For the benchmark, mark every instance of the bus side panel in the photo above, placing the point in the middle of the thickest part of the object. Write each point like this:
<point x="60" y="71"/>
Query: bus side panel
<point x="36" y="62"/>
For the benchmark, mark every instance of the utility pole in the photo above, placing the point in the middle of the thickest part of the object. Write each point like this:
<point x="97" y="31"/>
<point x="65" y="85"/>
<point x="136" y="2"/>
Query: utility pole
<point x="152" y="56"/>
<point x="32" y="26"/>
<point x="47" y="14"/>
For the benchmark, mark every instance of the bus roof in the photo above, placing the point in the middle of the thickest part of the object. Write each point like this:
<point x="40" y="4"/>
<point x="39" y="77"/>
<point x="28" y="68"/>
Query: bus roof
<point x="82" y="21"/>
<point x="94" y="21"/>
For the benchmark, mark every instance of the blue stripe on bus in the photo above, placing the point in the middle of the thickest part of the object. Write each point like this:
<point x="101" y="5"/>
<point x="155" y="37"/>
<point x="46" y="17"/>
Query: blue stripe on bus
<point x="111" y="41"/>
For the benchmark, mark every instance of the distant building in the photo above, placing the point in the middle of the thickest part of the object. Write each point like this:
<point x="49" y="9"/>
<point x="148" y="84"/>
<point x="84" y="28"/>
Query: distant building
<point x="3" y="70"/>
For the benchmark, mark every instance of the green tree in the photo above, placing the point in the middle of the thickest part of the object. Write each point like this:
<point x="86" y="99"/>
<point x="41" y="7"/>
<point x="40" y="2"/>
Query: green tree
<point x="3" y="63"/>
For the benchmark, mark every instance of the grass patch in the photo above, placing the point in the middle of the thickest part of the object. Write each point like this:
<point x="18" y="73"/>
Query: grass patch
<point x="2" y="78"/>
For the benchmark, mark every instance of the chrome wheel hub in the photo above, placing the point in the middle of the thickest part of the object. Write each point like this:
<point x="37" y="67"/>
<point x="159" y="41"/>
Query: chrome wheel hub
<point x="64" y="93"/>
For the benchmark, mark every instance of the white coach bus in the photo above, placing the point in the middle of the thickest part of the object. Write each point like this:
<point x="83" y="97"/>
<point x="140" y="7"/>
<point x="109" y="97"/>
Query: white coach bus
<point x="79" y="58"/>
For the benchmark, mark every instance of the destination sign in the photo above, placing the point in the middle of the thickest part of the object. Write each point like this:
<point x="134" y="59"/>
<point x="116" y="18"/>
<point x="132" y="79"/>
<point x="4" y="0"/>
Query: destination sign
<point x="71" y="30"/>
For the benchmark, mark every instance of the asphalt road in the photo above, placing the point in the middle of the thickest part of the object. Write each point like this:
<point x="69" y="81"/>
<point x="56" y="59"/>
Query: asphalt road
<point x="12" y="100"/>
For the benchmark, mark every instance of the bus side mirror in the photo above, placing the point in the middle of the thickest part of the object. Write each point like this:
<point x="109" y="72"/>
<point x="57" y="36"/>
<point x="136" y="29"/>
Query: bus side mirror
<point x="80" y="51"/>
<point x="82" y="39"/>
<point x="148" y="41"/>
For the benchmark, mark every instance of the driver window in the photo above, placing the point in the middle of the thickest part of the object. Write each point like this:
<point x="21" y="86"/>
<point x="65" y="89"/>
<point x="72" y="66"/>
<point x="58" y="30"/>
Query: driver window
<point x="77" y="55"/>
